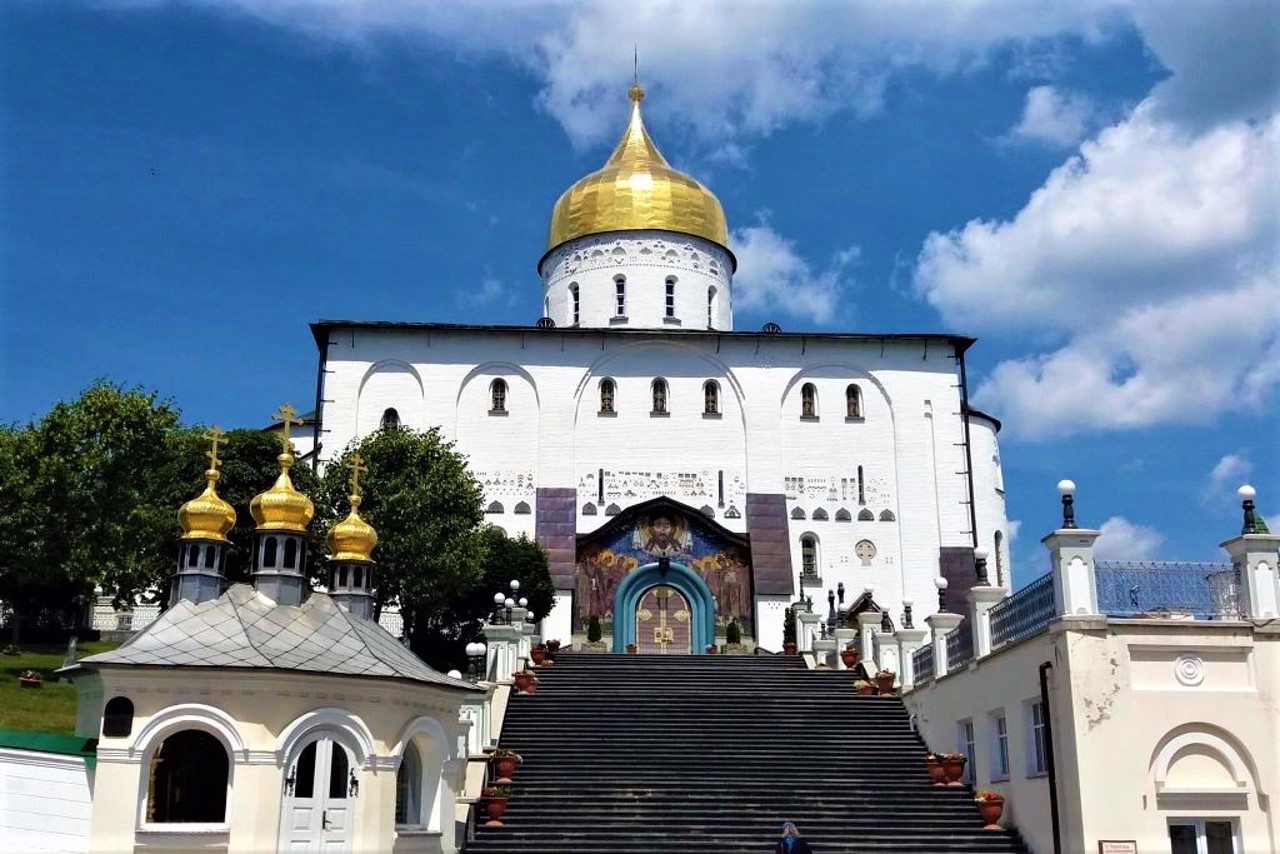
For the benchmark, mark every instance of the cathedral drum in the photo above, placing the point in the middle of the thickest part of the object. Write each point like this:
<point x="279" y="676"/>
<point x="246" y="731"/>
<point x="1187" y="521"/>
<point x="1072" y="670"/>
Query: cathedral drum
<point x="662" y="622"/>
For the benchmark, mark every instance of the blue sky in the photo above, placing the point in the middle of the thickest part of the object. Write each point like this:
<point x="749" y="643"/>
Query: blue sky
<point x="1088" y="188"/>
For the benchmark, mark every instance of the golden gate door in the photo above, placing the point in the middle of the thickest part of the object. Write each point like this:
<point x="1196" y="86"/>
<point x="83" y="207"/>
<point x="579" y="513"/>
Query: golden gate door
<point x="662" y="622"/>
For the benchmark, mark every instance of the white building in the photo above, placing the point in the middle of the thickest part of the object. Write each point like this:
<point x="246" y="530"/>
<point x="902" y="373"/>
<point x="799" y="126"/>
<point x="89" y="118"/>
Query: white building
<point x="634" y="404"/>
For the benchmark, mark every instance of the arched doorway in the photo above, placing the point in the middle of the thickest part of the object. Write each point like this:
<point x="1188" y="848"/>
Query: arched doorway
<point x="662" y="622"/>
<point x="320" y="789"/>
<point x="683" y="582"/>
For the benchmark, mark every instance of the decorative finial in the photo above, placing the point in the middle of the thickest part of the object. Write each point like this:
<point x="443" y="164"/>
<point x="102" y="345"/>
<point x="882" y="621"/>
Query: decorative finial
<point x="356" y="464"/>
<point x="1067" y="490"/>
<point x="941" y="583"/>
<point x="1247" y="494"/>
<point x="980" y="565"/>
<point x="216" y="437"/>
<point x="285" y="415"/>
<point x="906" y="613"/>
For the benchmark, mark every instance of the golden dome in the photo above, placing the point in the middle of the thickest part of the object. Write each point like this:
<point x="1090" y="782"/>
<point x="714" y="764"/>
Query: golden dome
<point x="282" y="507"/>
<point x="637" y="189"/>
<point x="353" y="538"/>
<point x="207" y="516"/>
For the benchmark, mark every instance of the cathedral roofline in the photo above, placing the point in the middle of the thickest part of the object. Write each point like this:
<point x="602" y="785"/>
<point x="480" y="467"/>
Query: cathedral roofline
<point x="320" y="328"/>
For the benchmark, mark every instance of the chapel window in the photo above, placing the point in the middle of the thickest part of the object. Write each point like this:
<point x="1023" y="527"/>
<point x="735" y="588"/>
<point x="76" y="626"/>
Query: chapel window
<point x="269" y="547"/>
<point x="117" y="718"/>
<point x="210" y="556"/>
<point x="290" y="553"/>
<point x="659" y="397"/>
<point x="188" y="780"/>
<point x="390" y="419"/>
<point x="711" y="398"/>
<point x="671" y="296"/>
<point x="498" y="392"/>
<point x="809" y="555"/>
<point x="808" y="401"/>
<point x="853" y="402"/>
<point x="409" y="787"/>
<point x="711" y="307"/>
<point x="575" y="303"/>
<point x="607" y="391"/>
<point x="620" y="296"/>
<point x="193" y="555"/>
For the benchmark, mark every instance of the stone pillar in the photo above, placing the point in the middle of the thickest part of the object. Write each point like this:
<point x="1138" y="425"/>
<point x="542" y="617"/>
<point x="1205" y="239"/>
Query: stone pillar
<point x="869" y="627"/>
<point x="941" y="624"/>
<point x="504" y="640"/>
<point x="824" y="652"/>
<point x="843" y="638"/>
<point x="1075" y="589"/>
<point x="981" y="601"/>
<point x="806" y="630"/>
<point x="1255" y="557"/>
<point x="887" y="652"/>
<point x="909" y="640"/>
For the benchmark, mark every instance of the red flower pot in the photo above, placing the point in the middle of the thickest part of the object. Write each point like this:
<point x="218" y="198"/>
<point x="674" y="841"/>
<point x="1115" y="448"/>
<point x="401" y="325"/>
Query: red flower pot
<point x="954" y="767"/>
<point x="884" y="684"/>
<point x="504" y="767"/>
<point x="30" y="683"/>
<point x="632" y="649"/>
<point x="539" y="655"/>
<point x="991" y="811"/>
<point x="849" y="656"/>
<point x="937" y="773"/>
<point x="866" y="690"/>
<point x="494" y="808"/>
<point x="789" y="648"/>
<point x="525" y="682"/>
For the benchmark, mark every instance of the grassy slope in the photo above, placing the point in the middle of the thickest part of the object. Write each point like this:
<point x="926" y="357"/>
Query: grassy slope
<point x="52" y="706"/>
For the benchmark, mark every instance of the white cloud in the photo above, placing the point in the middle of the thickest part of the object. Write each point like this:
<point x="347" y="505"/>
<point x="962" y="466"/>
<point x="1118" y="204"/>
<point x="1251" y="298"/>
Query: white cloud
<point x="773" y="277"/>
<point x="1151" y="257"/>
<point x="1053" y="117"/>
<point x="490" y="291"/>
<point x="1227" y="474"/>
<point x="1273" y="523"/>
<point x="1011" y="529"/>
<point x="1123" y="540"/>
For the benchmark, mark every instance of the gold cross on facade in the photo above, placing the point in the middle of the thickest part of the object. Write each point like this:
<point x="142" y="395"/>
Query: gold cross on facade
<point x="355" y="462"/>
<point x="285" y="416"/>
<point x="216" y="437"/>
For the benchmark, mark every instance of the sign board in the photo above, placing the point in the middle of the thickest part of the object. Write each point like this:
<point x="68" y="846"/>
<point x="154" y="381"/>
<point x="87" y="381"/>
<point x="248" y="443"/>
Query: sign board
<point x="1114" y="846"/>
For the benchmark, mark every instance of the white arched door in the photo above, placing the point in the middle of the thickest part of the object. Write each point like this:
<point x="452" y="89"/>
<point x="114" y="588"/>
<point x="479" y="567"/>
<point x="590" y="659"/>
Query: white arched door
<point x="320" y="789"/>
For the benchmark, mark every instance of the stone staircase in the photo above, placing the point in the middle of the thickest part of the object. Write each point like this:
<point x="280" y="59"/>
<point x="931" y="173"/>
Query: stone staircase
<point x="670" y="754"/>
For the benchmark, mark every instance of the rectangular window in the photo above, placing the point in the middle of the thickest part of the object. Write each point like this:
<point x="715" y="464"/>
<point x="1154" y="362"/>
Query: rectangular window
<point x="620" y="284"/>
<point x="969" y="747"/>
<point x="671" y="299"/>
<point x="999" y="746"/>
<point x="1202" y="836"/>
<point x="1036" y="762"/>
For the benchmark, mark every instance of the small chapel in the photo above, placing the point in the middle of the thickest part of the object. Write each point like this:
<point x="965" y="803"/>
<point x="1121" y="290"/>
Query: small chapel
<point x="269" y="716"/>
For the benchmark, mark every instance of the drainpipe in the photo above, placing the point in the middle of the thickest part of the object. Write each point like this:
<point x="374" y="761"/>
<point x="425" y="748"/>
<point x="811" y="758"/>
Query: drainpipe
<point x="1048" y="756"/>
<point x="320" y="370"/>
<point x="968" y="447"/>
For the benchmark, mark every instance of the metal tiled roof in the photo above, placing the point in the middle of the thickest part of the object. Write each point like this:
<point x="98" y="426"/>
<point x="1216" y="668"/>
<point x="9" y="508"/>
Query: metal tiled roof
<point x="243" y="628"/>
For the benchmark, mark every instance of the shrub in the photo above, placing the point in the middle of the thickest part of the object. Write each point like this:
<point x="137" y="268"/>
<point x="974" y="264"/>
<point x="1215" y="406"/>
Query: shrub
<point x="733" y="632"/>
<point x="593" y="629"/>
<point x="496" y="792"/>
<point x="987" y="795"/>
<point x="789" y="626"/>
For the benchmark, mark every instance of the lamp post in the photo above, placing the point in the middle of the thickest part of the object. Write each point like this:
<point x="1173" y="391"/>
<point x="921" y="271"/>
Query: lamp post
<point x="508" y="604"/>
<point x="980" y="565"/>
<point x="906" y="613"/>
<point x="1247" y="493"/>
<point x="475" y="654"/>
<point x="941" y="584"/>
<point x="498" y="600"/>
<point x="1067" y="489"/>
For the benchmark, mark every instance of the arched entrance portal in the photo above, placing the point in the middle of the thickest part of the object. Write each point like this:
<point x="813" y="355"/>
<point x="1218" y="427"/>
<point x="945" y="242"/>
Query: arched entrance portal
<point x="662" y="622"/>
<point x="682" y="582"/>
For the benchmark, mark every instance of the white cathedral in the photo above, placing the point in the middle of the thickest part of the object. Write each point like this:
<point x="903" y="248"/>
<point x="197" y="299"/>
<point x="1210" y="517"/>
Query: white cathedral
<point x="683" y="474"/>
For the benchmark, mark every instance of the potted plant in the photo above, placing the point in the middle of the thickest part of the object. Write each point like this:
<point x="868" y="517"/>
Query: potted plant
<point x="789" y="632"/>
<point x="505" y="762"/>
<point x="594" y="634"/>
<point x="553" y="647"/>
<point x="526" y="681"/>
<point x="990" y="807"/>
<point x="12" y="649"/>
<point x="884" y="682"/>
<point x="711" y="649"/>
<point x="733" y="636"/>
<point x="30" y="679"/>
<point x="849" y="655"/>
<point x="953" y="763"/>
<point x="495" y="803"/>
<point x="937" y="773"/>
<point x="538" y="652"/>
<point x="632" y="649"/>
<point x="862" y="686"/>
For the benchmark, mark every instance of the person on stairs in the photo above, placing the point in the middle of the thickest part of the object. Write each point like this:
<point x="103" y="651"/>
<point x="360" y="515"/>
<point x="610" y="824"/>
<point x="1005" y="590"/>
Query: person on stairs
<point x="791" y="843"/>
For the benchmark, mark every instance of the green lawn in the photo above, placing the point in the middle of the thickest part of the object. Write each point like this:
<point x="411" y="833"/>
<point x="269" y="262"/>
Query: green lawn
<point x="52" y="706"/>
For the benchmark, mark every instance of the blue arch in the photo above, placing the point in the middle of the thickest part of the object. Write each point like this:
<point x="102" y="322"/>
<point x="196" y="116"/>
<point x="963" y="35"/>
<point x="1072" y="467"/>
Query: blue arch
<point x="702" y="606"/>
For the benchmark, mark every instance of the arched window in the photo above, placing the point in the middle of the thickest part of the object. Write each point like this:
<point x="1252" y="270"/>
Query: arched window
<point x="865" y="515"/>
<point x="117" y="718"/>
<point x="409" y="787"/>
<point x="808" y="401"/>
<point x="290" y="553"/>
<point x="820" y="515"/>
<point x="188" y="780"/>
<point x="390" y="418"/>
<point x="607" y="390"/>
<point x="671" y="296"/>
<point x="887" y="516"/>
<point x="862" y="492"/>
<point x="809" y="555"/>
<point x="711" y="307"/>
<point x="210" y="554"/>
<point x="546" y="306"/>
<point x="843" y="515"/>
<point x="357" y="577"/>
<point x="269" y="552"/>
<point x="495" y="507"/>
<point x="711" y="398"/>
<point x="620" y="296"/>
<point x="498" y="391"/>
<point x="998" y="551"/>
<point x="797" y="513"/>
<point x="523" y="509"/>
<point x="659" y="397"/>
<point x="193" y="555"/>
<point x="575" y="303"/>
<point x="853" y="402"/>
<point x="343" y="573"/>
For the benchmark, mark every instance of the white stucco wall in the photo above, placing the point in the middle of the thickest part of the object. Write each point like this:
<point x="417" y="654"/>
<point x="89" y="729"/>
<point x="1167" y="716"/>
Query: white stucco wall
<point x="45" y="802"/>
<point x="989" y="498"/>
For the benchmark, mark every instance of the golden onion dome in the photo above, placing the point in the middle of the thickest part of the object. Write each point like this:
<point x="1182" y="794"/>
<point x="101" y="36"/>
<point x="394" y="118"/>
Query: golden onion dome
<point x="353" y="538"/>
<point x="637" y="189"/>
<point x="282" y="507"/>
<point x="207" y="516"/>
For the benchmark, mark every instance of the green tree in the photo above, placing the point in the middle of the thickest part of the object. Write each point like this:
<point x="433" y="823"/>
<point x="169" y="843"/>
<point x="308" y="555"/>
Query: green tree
<point x="510" y="559"/>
